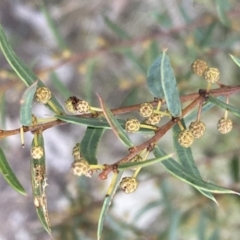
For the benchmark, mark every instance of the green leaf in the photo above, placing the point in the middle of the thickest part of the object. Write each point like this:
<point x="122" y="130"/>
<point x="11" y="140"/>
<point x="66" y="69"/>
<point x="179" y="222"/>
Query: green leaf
<point x="115" y="125"/>
<point x="201" y="228"/>
<point x="26" y="105"/>
<point x="162" y="83"/>
<point x="146" y="163"/>
<point x="25" y="73"/>
<point x="91" y="122"/>
<point x="8" y="174"/>
<point x="53" y="27"/>
<point x="154" y="79"/>
<point x="89" y="144"/>
<point x="116" y="29"/>
<point x="215" y="235"/>
<point x="38" y="179"/>
<point x="106" y="204"/>
<point x="234" y="167"/>
<point x="222" y="8"/>
<point x="235" y="59"/>
<point x="224" y="105"/>
<point x="185" y="157"/>
<point x="179" y="171"/>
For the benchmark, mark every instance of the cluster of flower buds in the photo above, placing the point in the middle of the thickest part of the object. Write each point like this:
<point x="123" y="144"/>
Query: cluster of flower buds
<point x="210" y="74"/>
<point x="77" y="106"/>
<point x="80" y="165"/>
<point x="153" y="117"/>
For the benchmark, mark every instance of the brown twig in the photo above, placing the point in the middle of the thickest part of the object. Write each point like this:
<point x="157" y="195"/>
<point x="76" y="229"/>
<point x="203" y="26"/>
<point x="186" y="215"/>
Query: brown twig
<point x="223" y="91"/>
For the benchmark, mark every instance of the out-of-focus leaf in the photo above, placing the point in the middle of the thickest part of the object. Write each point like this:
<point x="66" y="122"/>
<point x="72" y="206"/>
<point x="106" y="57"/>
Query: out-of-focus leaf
<point x="235" y="59"/>
<point x="185" y="157"/>
<point x="55" y="31"/>
<point x="153" y="52"/>
<point x="145" y="208"/>
<point x="115" y="125"/>
<point x="88" y="81"/>
<point x="24" y="72"/>
<point x="64" y="92"/>
<point x="38" y="179"/>
<point x="222" y="8"/>
<point x="162" y="83"/>
<point x="215" y="235"/>
<point x="224" y="105"/>
<point x="174" y="225"/>
<point x="8" y="174"/>
<point x="178" y="171"/>
<point x="134" y="59"/>
<point x="201" y="228"/>
<point x="89" y="144"/>
<point x="26" y="105"/>
<point x="146" y="163"/>
<point x="116" y="29"/>
<point x="107" y="202"/>
<point x="234" y="166"/>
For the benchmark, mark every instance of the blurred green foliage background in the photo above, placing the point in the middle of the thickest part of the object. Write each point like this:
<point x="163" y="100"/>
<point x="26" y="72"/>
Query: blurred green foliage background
<point x="106" y="47"/>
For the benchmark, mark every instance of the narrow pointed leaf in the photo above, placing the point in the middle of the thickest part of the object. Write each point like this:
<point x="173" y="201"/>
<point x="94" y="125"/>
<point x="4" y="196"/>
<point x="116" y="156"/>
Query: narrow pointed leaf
<point x="162" y="83"/>
<point x="185" y="157"/>
<point x="222" y="8"/>
<point x="177" y="170"/>
<point x="55" y="31"/>
<point x="26" y="105"/>
<point x="38" y="179"/>
<point x="234" y="110"/>
<point x="235" y="59"/>
<point x="24" y="72"/>
<point x="115" y="125"/>
<point x="116" y="29"/>
<point x="93" y="122"/>
<point x="8" y="174"/>
<point x="146" y="163"/>
<point x="20" y="68"/>
<point x="106" y="204"/>
<point x="89" y="144"/>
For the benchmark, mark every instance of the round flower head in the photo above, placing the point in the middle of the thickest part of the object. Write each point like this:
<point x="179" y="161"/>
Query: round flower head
<point x="224" y="126"/>
<point x="37" y="152"/>
<point x="199" y="67"/>
<point x="185" y="138"/>
<point x="132" y="125"/>
<point x="197" y="129"/>
<point x="81" y="167"/>
<point x="154" y="119"/>
<point x="43" y="95"/>
<point x="82" y="106"/>
<point x="211" y="75"/>
<point x="129" y="184"/>
<point x="145" y="109"/>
